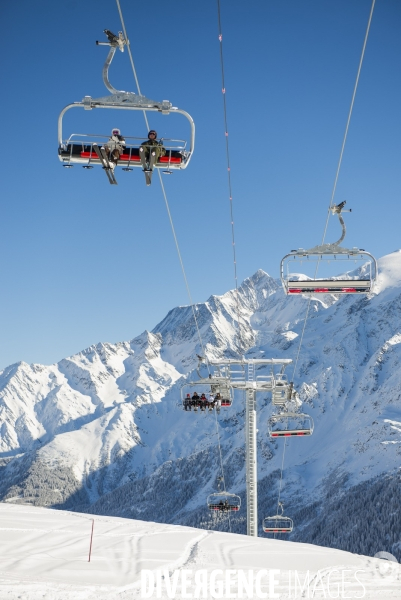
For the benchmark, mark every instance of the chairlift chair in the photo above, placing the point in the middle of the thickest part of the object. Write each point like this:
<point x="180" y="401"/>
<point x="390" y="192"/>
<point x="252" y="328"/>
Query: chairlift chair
<point x="356" y="283"/>
<point x="87" y="149"/>
<point x="223" y="502"/>
<point x="212" y="385"/>
<point x="278" y="523"/>
<point x="225" y="391"/>
<point x="288" y="424"/>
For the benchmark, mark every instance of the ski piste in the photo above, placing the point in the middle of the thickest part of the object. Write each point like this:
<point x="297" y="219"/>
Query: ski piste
<point x="105" y="162"/>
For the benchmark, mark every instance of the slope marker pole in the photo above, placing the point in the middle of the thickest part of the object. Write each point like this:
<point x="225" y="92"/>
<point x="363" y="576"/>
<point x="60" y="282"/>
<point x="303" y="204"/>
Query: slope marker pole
<point x="90" y="546"/>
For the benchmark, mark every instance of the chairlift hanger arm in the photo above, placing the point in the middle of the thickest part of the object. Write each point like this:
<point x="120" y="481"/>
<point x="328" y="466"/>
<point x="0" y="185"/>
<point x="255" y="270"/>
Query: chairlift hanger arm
<point x="114" y="43"/>
<point x="337" y="210"/>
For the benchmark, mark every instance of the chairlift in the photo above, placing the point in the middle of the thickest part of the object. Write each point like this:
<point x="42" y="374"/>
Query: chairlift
<point x="223" y="502"/>
<point x="87" y="149"/>
<point x="278" y="523"/>
<point x="358" y="281"/>
<point x="192" y="399"/>
<point x="288" y="424"/>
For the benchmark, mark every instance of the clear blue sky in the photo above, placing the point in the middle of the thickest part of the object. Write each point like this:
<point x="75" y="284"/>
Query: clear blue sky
<point x="84" y="261"/>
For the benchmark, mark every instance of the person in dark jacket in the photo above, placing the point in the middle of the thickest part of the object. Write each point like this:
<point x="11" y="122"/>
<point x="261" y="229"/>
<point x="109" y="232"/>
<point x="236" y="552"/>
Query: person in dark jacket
<point x="150" y="151"/>
<point x="187" y="402"/>
<point x="195" y="400"/>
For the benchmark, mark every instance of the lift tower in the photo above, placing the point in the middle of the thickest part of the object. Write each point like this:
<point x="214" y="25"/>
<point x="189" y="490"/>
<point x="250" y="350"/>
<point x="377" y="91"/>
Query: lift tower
<point x="242" y="375"/>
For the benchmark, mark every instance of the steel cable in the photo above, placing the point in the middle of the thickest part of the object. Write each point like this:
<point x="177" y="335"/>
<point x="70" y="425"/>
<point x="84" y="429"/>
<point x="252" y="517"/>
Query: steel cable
<point x="221" y="462"/>
<point x="223" y="89"/>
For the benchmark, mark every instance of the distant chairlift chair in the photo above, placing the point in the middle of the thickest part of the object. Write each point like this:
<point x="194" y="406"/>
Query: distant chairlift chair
<point x="278" y="523"/>
<point x="362" y="283"/>
<point x="224" y="502"/>
<point x="289" y="424"/>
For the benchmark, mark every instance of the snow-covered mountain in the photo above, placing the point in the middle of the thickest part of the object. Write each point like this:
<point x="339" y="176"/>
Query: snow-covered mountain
<point x="103" y="431"/>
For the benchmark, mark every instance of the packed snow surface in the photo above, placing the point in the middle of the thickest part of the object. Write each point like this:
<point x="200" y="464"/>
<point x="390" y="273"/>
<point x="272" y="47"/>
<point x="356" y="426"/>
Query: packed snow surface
<point x="44" y="554"/>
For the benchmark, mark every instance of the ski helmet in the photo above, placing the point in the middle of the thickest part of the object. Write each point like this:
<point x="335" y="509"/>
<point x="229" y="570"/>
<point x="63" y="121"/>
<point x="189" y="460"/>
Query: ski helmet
<point x="154" y="133"/>
<point x="115" y="131"/>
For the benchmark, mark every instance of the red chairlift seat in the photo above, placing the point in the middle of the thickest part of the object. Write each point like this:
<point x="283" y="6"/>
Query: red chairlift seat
<point x="84" y="154"/>
<point x="329" y="286"/>
<point x="224" y="502"/>
<point x="278" y="523"/>
<point x="359" y="281"/>
<point x="229" y="507"/>
<point x="226" y="402"/>
<point x="290" y="425"/>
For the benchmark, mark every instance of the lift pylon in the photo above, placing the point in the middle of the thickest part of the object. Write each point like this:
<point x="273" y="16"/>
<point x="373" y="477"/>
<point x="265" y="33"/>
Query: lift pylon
<point x="243" y="375"/>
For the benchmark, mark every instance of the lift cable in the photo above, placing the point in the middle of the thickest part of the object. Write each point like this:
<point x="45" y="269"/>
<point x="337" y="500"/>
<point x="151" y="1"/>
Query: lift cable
<point x="337" y="171"/>
<point x="221" y="463"/>
<point x="281" y="477"/>
<point x="223" y="89"/>
<point x="130" y="57"/>
<point x="349" y="119"/>
<point x="193" y="307"/>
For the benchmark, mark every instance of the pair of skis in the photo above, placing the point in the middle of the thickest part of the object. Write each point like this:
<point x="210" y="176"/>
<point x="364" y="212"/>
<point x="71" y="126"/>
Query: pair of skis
<point x="148" y="168"/>
<point x="104" y="159"/>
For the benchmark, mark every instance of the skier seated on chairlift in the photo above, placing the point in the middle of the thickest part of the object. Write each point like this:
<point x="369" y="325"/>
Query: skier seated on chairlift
<point x="187" y="402"/>
<point x="195" y="399"/>
<point x="115" y="147"/>
<point x="224" y="505"/>
<point x="211" y="401"/>
<point x="150" y="152"/>
<point x="203" y="402"/>
<point x="217" y="401"/>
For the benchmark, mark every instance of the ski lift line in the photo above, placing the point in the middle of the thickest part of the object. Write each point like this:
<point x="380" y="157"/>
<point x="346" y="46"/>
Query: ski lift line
<point x="281" y="475"/>
<point x="221" y="464"/>
<point x="162" y="186"/>
<point x="182" y="268"/>
<point x="223" y="89"/>
<point x="131" y="58"/>
<point x="302" y="337"/>
<point x="349" y="119"/>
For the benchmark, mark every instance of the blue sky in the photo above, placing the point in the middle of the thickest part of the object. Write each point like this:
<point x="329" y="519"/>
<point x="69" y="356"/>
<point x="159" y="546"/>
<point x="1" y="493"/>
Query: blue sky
<point x="84" y="261"/>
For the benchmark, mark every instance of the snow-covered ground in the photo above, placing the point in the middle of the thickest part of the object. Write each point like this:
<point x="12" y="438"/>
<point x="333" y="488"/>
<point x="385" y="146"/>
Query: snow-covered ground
<point x="44" y="555"/>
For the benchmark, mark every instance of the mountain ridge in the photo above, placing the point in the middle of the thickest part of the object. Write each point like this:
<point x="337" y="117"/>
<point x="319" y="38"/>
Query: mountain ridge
<point x="108" y="419"/>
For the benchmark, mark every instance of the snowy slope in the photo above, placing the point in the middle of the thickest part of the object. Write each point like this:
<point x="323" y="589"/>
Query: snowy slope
<point x="105" y="426"/>
<point x="44" y="554"/>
